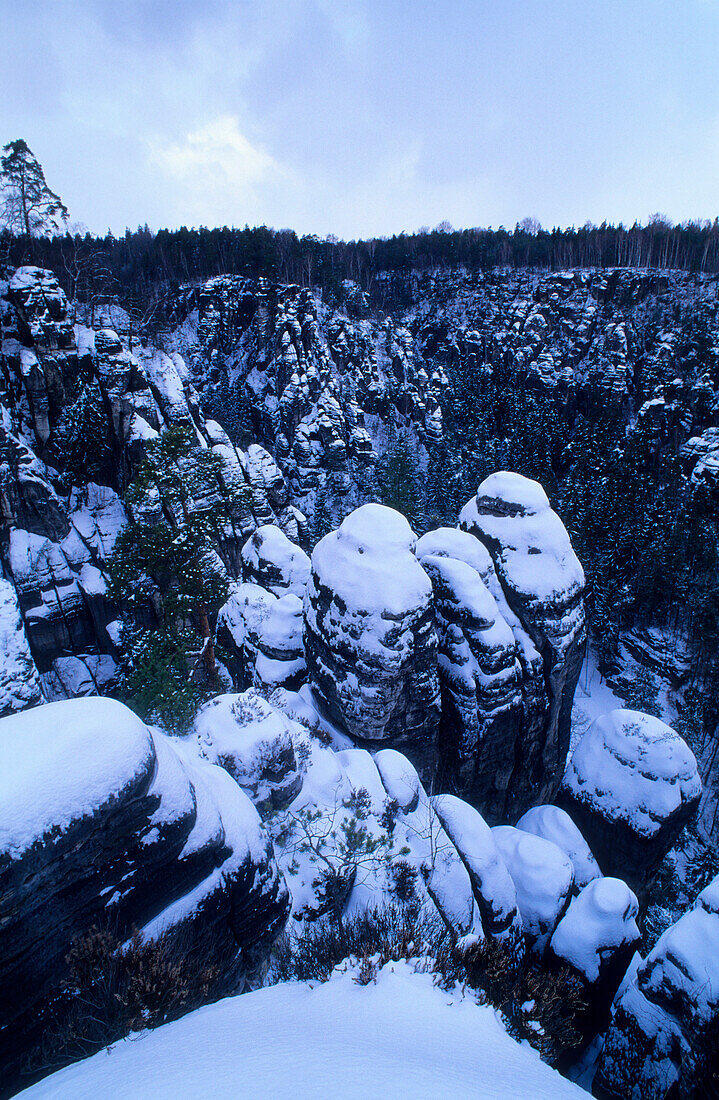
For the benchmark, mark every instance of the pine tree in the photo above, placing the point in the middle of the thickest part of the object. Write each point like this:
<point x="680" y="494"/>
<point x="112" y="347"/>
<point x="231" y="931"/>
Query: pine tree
<point x="28" y="205"/>
<point x="398" y="477"/>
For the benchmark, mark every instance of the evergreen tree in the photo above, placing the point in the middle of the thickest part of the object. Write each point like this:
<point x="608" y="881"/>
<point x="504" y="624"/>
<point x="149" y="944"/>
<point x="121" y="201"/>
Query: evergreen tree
<point x="398" y="478"/>
<point x="81" y="445"/>
<point x="27" y="205"/>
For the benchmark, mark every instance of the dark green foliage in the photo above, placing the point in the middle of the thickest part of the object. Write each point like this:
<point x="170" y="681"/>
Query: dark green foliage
<point x="27" y="205"/>
<point x="398" y="475"/>
<point x="640" y="691"/>
<point x="81" y="446"/>
<point x="155" y="678"/>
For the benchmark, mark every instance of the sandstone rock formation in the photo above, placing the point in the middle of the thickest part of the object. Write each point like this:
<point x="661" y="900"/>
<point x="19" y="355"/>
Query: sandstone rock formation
<point x="104" y="823"/>
<point x="370" y="640"/>
<point x="543" y="878"/>
<point x="597" y="937"/>
<point x="658" y="1042"/>
<point x="556" y="825"/>
<point x="272" y="561"/>
<point x="631" y="786"/>
<point x="253" y="742"/>
<point x="490" y="675"/>
<point x="543" y="584"/>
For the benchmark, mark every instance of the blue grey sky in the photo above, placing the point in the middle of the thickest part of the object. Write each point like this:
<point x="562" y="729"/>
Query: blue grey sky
<point x="366" y="117"/>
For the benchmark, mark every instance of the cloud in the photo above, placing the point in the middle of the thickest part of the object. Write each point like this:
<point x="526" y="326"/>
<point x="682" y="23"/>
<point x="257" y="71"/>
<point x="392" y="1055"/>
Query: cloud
<point x="217" y="173"/>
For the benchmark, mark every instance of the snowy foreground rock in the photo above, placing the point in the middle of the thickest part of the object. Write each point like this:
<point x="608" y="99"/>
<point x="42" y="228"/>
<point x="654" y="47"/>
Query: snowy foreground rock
<point x="631" y="786"/>
<point x="659" y="1034"/>
<point x="400" y="1036"/>
<point x="105" y="823"/>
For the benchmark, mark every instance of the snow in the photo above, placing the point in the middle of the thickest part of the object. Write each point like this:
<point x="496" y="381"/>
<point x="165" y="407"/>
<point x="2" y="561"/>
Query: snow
<point x="248" y="737"/>
<point x="62" y="761"/>
<point x="19" y="680"/>
<point x="512" y="513"/>
<point x="542" y="875"/>
<point x="370" y="565"/>
<point x="450" y="542"/>
<point x="633" y="767"/>
<point x="400" y="1036"/>
<point x="268" y="545"/>
<point x="682" y="969"/>
<point x="601" y="918"/>
<point x="475" y="843"/>
<point x="556" y="825"/>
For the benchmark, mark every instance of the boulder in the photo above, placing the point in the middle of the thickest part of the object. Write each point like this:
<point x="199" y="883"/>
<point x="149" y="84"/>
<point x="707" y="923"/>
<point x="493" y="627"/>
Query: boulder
<point x="253" y="742"/>
<point x="543" y="878"/>
<point x="659" y="1036"/>
<point x="370" y="640"/>
<point x="103" y="823"/>
<point x="631" y="786"/>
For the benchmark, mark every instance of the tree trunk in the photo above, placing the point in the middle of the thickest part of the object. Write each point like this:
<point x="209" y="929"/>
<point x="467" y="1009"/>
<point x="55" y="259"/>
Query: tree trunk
<point x="209" y="647"/>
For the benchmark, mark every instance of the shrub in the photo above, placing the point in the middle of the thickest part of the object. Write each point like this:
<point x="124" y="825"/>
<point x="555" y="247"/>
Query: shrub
<point x="115" y="988"/>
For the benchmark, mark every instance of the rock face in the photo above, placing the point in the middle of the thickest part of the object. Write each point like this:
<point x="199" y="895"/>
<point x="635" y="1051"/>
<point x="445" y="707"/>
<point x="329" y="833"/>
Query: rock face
<point x="55" y="542"/>
<point x="494" y="889"/>
<point x="19" y="680"/>
<point x="104" y="823"/>
<point x="490" y="675"/>
<point x="370" y="640"/>
<point x="631" y="785"/>
<point x="543" y="584"/>
<point x="658" y="1036"/>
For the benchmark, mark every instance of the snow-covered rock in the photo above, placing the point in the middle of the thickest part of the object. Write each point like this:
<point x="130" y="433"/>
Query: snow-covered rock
<point x="479" y="671"/>
<point x="370" y="641"/>
<point x="262" y="635"/>
<point x="19" y="680"/>
<point x="556" y="825"/>
<point x="493" y="886"/>
<point x="253" y="742"/>
<point x="543" y="584"/>
<point x="542" y="876"/>
<point x="631" y="786"/>
<point x="597" y="937"/>
<point x="103" y="821"/>
<point x="272" y="561"/>
<point x="661" y="1016"/>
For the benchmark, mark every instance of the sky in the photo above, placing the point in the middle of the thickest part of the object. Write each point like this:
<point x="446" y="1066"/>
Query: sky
<point x="366" y="117"/>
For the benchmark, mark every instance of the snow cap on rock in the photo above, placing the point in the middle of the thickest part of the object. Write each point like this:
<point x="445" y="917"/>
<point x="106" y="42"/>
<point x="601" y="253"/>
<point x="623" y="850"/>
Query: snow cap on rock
<point x="632" y="767"/>
<point x="542" y="875"/>
<point x="556" y="825"/>
<point x="369" y="562"/>
<point x="599" y="920"/>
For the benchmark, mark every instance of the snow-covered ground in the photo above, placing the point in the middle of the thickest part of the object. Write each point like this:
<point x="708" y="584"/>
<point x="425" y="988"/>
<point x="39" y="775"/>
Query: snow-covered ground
<point x="400" y="1036"/>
